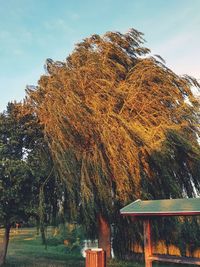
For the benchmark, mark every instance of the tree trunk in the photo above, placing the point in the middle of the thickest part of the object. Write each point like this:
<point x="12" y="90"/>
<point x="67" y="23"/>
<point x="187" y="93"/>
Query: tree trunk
<point x="104" y="238"/>
<point x="4" y="245"/>
<point x="37" y="226"/>
<point x="43" y="236"/>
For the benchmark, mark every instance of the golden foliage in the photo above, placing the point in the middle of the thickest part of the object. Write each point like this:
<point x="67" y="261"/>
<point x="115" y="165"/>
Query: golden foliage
<point x="111" y="106"/>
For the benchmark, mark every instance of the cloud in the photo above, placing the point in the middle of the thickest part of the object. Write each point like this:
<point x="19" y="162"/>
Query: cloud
<point x="74" y="16"/>
<point x="169" y="46"/>
<point x="58" y="25"/>
<point x="13" y="41"/>
<point x="181" y="53"/>
<point x="18" y="52"/>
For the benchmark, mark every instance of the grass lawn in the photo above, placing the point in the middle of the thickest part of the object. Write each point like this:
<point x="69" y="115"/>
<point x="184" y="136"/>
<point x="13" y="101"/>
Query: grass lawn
<point x="25" y="250"/>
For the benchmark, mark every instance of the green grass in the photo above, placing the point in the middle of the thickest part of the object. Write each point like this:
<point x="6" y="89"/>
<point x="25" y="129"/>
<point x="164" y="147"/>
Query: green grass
<point x="25" y="250"/>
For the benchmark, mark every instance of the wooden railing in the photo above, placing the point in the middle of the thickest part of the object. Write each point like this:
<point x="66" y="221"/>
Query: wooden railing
<point x="174" y="259"/>
<point x="150" y="256"/>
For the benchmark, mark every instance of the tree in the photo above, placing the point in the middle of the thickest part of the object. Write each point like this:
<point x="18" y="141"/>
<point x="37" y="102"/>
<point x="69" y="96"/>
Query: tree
<point x="15" y="175"/>
<point x="108" y="111"/>
<point x="24" y="167"/>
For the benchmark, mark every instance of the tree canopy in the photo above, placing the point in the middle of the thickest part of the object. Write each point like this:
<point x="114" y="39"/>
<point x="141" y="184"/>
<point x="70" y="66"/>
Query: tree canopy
<point x="25" y="171"/>
<point x="16" y="176"/>
<point x="120" y="124"/>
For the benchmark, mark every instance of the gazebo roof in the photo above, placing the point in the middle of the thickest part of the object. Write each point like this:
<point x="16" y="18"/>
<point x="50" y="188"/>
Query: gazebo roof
<point x="164" y="207"/>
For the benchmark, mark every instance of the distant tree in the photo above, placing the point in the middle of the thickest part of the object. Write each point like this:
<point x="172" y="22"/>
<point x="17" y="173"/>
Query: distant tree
<point x="15" y="175"/>
<point x="24" y="168"/>
<point x="120" y="126"/>
<point x="48" y="192"/>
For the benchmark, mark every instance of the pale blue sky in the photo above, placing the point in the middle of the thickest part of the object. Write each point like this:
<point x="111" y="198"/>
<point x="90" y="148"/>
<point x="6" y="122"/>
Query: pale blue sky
<point x="33" y="30"/>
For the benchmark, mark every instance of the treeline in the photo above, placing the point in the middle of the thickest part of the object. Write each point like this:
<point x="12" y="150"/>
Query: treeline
<point x="107" y="126"/>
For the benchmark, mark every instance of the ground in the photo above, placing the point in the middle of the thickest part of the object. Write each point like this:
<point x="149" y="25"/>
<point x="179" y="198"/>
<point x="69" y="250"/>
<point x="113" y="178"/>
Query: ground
<point x="26" y="250"/>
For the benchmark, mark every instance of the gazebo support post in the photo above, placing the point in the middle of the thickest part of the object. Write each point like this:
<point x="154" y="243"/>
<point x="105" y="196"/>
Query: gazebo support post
<point x="149" y="209"/>
<point x="147" y="243"/>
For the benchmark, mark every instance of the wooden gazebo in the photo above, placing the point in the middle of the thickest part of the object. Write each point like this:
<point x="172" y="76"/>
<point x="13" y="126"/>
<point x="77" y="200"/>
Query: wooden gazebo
<point x="148" y="209"/>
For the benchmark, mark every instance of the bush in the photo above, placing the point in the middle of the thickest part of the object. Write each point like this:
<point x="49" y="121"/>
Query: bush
<point x="70" y="236"/>
<point x="53" y="241"/>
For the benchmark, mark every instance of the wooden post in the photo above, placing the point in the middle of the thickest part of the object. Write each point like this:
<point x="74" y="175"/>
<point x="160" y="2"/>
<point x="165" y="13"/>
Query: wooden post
<point x="147" y="243"/>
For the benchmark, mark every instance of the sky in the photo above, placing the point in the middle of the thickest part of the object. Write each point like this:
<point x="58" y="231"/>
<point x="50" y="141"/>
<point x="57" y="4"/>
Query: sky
<point x="33" y="30"/>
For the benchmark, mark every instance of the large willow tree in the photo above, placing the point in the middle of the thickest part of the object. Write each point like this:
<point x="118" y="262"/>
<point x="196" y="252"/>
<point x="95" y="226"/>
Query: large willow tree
<point x="120" y="125"/>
